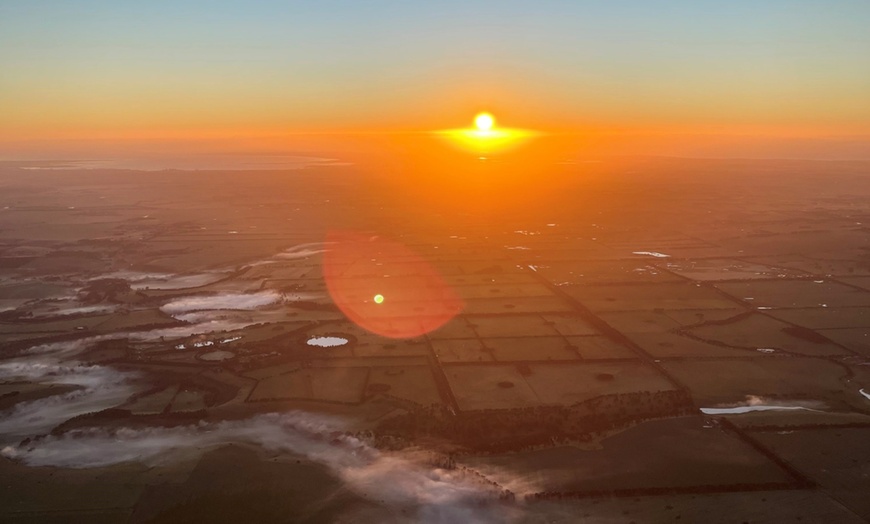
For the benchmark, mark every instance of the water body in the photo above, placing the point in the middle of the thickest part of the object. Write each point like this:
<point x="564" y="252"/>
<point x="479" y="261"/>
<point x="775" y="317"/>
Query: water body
<point x="216" y="356"/>
<point x="747" y="409"/>
<point x="327" y="342"/>
<point x="210" y="162"/>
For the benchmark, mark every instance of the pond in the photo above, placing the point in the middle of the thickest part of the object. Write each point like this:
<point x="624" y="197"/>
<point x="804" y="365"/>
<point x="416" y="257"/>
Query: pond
<point x="327" y="342"/>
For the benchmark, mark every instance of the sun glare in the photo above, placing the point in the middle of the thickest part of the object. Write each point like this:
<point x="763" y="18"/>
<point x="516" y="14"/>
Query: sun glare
<point x="485" y="137"/>
<point x="484" y="121"/>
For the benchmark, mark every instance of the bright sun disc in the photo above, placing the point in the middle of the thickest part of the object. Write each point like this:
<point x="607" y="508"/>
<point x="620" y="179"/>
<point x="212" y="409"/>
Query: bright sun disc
<point x="483" y="137"/>
<point x="484" y="121"/>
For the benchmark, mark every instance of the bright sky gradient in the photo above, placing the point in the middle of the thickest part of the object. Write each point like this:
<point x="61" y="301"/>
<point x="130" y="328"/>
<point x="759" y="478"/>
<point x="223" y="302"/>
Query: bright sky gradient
<point x="775" y="70"/>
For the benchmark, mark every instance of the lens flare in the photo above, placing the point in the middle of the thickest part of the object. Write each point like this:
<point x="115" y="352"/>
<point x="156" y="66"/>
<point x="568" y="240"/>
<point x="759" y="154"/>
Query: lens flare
<point x="361" y="270"/>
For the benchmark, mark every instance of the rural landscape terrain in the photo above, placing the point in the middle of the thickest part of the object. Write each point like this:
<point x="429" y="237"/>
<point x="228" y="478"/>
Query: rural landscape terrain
<point x="601" y="340"/>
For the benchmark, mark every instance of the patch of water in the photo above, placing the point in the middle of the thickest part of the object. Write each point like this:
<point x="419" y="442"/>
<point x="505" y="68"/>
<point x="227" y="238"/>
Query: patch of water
<point x="747" y="409"/>
<point x="217" y="356"/>
<point x="327" y="342"/>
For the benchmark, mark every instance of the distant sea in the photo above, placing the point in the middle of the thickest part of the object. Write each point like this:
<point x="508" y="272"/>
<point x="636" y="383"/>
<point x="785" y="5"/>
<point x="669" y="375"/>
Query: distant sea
<point x="186" y="163"/>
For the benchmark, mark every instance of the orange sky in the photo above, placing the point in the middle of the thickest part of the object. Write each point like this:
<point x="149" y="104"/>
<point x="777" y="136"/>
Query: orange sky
<point x="656" y="77"/>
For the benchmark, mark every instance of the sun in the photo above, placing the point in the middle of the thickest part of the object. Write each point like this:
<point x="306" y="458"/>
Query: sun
<point x="484" y="137"/>
<point x="484" y="121"/>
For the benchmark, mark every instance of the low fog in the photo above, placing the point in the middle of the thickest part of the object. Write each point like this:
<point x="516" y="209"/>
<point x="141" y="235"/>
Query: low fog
<point x="401" y="479"/>
<point x="222" y="301"/>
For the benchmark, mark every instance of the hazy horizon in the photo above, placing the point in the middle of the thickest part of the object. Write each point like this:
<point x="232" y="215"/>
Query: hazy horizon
<point x="757" y="80"/>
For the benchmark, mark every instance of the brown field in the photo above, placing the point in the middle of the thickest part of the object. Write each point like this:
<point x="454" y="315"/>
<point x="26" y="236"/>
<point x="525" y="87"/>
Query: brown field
<point x="713" y="382"/>
<point x="414" y="383"/>
<point x="33" y="290"/>
<point x="458" y="327"/>
<point x="598" y="347"/>
<point x="760" y="331"/>
<point x="758" y="507"/>
<point x="495" y="281"/>
<point x="840" y="261"/>
<point x="854" y="339"/>
<point x="516" y="305"/>
<point x="862" y="282"/>
<point x="569" y="325"/>
<point x="506" y="349"/>
<point x="648" y="297"/>
<point x="130" y="321"/>
<point x="478" y="387"/>
<point x="640" y="321"/>
<point x="484" y="386"/>
<point x="154" y="403"/>
<point x="691" y="317"/>
<point x="797" y="419"/>
<point x="728" y="269"/>
<point x="462" y="350"/>
<point x="797" y="293"/>
<point x="568" y="384"/>
<point x="187" y="400"/>
<point x="682" y="451"/>
<point x="344" y="385"/>
<point x="819" y="452"/>
<point x="512" y="326"/>
<point x="584" y="271"/>
<point x="502" y="290"/>
<point x="99" y="495"/>
<point x="825" y="318"/>
<point x="669" y="345"/>
<point x="559" y="308"/>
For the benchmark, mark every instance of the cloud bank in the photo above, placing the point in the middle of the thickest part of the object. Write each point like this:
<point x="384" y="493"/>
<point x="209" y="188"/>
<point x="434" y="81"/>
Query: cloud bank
<point x="242" y="301"/>
<point x="398" y="479"/>
<point x="98" y="388"/>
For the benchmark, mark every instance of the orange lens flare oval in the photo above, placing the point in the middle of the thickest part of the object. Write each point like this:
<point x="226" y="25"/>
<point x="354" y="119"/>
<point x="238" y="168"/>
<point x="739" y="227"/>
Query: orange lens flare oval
<point x="361" y="270"/>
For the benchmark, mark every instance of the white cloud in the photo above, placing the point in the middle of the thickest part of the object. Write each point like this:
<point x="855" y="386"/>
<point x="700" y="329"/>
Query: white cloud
<point x="222" y="301"/>
<point x="399" y="479"/>
<point x="98" y="388"/>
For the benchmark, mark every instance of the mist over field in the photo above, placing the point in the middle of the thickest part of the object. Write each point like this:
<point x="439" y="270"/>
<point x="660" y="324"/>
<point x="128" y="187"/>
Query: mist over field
<point x="398" y="479"/>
